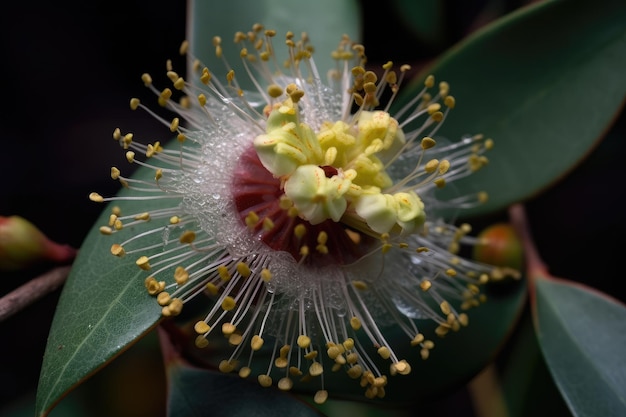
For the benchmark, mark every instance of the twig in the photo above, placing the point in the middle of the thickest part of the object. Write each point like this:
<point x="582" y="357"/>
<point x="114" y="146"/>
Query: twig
<point x="32" y="291"/>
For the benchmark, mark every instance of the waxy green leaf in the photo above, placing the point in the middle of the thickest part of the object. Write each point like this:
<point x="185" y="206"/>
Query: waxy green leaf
<point x="104" y="307"/>
<point x="544" y="82"/>
<point x="200" y="392"/>
<point x="582" y="334"/>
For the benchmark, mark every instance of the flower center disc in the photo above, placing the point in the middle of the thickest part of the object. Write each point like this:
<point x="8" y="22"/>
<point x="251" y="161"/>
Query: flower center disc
<point x="260" y="202"/>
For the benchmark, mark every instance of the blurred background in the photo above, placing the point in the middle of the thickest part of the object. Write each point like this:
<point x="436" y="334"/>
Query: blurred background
<point x="70" y="69"/>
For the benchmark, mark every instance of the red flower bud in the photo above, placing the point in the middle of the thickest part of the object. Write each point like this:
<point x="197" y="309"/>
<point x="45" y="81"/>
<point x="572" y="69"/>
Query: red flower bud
<point x="22" y="244"/>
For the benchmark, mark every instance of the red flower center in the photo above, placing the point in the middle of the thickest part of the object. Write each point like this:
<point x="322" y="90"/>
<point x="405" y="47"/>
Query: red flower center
<point x="255" y="190"/>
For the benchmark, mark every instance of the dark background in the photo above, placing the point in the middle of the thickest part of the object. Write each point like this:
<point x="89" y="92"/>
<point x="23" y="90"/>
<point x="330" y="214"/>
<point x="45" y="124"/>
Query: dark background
<point x="69" y="70"/>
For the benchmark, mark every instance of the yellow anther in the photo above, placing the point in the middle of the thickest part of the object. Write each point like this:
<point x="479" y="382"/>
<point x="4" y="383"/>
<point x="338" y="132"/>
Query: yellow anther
<point x="117" y="250"/>
<point x="230" y="76"/>
<point x="384" y="352"/>
<point x="299" y="231"/>
<point x="163" y="298"/>
<point x="424" y="353"/>
<point x="243" y="269"/>
<point x="431" y="166"/>
<point x="174" y="220"/>
<point x="172" y="75"/>
<point x="179" y="84"/>
<point x="444" y="89"/>
<point x="95" y="197"/>
<point x="211" y="288"/>
<point x="181" y="275"/>
<point x="130" y="156"/>
<point x="417" y="340"/>
<point x="274" y="91"/>
<point x="174" y="125"/>
<point x="268" y="224"/>
<point x="285" y="384"/>
<point x="463" y="319"/>
<point x="281" y="362"/>
<point x="433" y="108"/>
<point x="428" y="142"/>
<point x="223" y="272"/>
<point x="245" y="372"/>
<point x="284" y="351"/>
<point x="437" y="116"/>
<point x="202" y="100"/>
<point x="127" y="140"/>
<point x="359" y="285"/>
<point x="355" y="371"/>
<point x="252" y="219"/>
<point x="201" y="327"/>
<point x="112" y="219"/>
<point x="235" y="339"/>
<point x="184" y="46"/>
<point x="440" y="182"/>
<point x="451" y="272"/>
<point x="117" y="224"/>
<point x="265" y="381"/>
<point x="429" y="82"/>
<point x="355" y="323"/>
<point x="134" y="103"/>
<point x="441" y="331"/>
<point x="294" y="371"/>
<point x="266" y="275"/>
<point x="489" y="144"/>
<point x="445" y="307"/>
<point x="333" y="352"/>
<point x="147" y="79"/>
<point x="143" y="216"/>
<point x="304" y="341"/>
<point x="187" y="237"/>
<point x="226" y="366"/>
<point x="158" y="174"/>
<point x="483" y="197"/>
<point x="444" y="166"/>
<point x="316" y="369"/>
<point x="143" y="263"/>
<point x="425" y="285"/>
<point x="256" y="343"/>
<point x="449" y="102"/>
<point x="320" y="397"/>
<point x="311" y="355"/>
<point x="228" y="303"/>
<point x="402" y="367"/>
<point x="106" y="230"/>
<point x="201" y="342"/>
<point x="228" y="329"/>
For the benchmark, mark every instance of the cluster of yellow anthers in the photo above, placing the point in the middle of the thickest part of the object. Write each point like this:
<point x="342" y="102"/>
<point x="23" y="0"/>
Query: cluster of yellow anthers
<point x="304" y="211"/>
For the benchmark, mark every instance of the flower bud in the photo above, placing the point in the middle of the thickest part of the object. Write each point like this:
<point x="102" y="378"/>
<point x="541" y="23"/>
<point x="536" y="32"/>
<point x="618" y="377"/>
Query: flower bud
<point x="499" y="245"/>
<point x="22" y="244"/>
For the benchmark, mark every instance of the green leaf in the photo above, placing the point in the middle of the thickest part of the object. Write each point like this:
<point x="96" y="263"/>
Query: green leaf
<point x="324" y="20"/>
<point x="544" y="83"/>
<point x="425" y="19"/>
<point x="199" y="392"/>
<point x="582" y="334"/>
<point x="103" y="308"/>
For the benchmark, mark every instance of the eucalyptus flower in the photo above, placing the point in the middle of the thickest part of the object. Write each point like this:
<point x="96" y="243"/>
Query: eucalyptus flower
<point x="302" y="212"/>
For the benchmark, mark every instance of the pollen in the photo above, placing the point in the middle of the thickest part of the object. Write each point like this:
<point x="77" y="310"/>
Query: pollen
<point x="143" y="263"/>
<point x="243" y="269"/>
<point x="181" y="275"/>
<point x="228" y="303"/>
